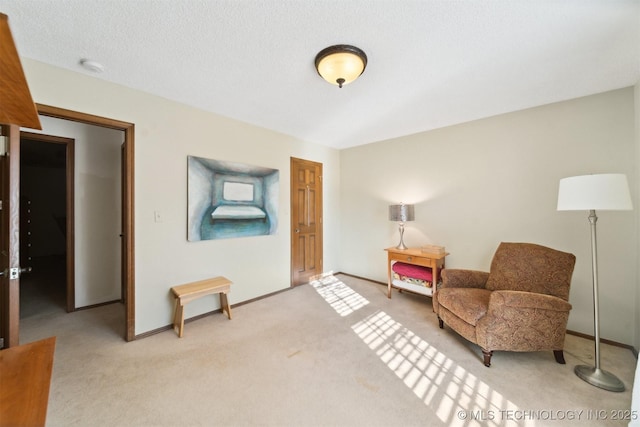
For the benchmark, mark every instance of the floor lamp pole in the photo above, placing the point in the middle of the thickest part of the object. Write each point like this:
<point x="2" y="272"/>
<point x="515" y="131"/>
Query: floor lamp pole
<point x="594" y="375"/>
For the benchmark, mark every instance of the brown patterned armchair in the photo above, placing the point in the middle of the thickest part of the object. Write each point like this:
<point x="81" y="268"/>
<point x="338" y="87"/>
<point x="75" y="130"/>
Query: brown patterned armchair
<point x="520" y="305"/>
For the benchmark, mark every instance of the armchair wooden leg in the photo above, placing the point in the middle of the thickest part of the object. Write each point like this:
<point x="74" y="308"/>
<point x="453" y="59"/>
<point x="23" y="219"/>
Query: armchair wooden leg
<point x="487" y="357"/>
<point x="440" y="323"/>
<point x="559" y="355"/>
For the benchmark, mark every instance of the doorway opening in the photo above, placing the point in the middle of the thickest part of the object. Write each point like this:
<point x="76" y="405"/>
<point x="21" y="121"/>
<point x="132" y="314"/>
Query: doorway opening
<point x="46" y="224"/>
<point x="126" y="235"/>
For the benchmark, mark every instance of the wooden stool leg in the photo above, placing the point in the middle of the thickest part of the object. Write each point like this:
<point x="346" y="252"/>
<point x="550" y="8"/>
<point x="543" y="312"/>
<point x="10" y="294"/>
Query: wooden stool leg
<point x="181" y="314"/>
<point x="176" y="320"/>
<point x="224" y="304"/>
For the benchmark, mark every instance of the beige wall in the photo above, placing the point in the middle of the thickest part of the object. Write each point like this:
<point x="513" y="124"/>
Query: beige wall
<point x="483" y="182"/>
<point x="474" y="185"/>
<point x="165" y="134"/>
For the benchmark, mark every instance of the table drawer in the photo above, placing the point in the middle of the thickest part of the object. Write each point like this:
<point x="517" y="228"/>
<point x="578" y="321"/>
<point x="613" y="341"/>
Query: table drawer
<point x="412" y="259"/>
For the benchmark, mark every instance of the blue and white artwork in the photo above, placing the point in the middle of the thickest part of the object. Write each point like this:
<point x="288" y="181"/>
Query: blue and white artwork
<point x="229" y="200"/>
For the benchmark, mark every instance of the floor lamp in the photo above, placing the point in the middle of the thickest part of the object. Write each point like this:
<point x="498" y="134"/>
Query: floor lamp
<point x="595" y="192"/>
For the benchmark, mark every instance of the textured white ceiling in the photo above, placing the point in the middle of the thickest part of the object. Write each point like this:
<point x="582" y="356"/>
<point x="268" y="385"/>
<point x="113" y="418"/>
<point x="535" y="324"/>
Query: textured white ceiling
<point x="431" y="63"/>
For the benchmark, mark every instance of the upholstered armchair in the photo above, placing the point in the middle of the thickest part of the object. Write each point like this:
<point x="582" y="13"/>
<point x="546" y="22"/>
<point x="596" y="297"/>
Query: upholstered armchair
<point x="521" y="304"/>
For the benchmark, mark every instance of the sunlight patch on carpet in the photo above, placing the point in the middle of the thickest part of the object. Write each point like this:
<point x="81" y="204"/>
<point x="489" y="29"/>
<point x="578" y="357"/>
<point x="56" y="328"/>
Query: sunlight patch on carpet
<point x="341" y="297"/>
<point x="456" y="396"/>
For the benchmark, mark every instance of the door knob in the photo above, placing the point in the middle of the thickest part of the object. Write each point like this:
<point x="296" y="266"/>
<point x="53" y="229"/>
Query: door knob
<point x="297" y="230"/>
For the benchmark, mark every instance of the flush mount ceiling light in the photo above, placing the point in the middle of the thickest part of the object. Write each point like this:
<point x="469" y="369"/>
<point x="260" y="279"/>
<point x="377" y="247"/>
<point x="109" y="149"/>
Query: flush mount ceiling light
<point x="341" y="64"/>
<point x="92" y="66"/>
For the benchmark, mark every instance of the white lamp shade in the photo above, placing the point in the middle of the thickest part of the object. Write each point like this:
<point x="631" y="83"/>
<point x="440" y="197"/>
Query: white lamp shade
<point x="401" y="213"/>
<point x="594" y="192"/>
<point x="343" y="65"/>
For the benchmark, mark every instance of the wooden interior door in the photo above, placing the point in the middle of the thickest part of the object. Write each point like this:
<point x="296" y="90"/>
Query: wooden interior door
<point x="10" y="238"/>
<point x="16" y="109"/>
<point x="306" y="220"/>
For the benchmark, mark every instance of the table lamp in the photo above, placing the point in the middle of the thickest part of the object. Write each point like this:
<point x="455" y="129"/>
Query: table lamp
<point x="401" y="213"/>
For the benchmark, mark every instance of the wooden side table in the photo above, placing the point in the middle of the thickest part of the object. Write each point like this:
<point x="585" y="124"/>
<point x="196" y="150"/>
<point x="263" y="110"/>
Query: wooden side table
<point x="25" y="379"/>
<point x="414" y="256"/>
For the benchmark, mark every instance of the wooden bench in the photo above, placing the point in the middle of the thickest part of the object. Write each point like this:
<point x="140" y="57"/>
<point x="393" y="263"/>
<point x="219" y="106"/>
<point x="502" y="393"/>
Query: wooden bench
<point x="190" y="291"/>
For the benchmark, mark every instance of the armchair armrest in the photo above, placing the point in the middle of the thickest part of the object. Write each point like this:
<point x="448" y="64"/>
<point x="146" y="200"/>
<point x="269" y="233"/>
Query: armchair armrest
<point x="523" y="321"/>
<point x="526" y="300"/>
<point x="458" y="278"/>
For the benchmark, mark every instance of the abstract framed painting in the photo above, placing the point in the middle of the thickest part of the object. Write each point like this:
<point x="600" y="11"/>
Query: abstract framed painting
<point x="229" y="200"/>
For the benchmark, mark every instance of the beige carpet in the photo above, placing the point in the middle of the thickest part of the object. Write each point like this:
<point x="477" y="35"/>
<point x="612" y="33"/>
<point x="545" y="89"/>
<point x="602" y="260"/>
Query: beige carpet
<point x="332" y="353"/>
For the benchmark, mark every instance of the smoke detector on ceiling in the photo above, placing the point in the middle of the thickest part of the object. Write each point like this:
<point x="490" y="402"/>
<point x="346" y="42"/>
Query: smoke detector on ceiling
<point x="93" y="66"/>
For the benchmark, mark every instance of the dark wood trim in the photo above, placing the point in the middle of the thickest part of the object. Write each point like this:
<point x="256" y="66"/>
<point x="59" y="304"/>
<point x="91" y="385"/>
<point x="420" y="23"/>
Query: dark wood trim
<point x="578" y="334"/>
<point x="209" y="313"/>
<point x="46" y="138"/>
<point x="10" y="310"/>
<point x="129" y="208"/>
<point x="71" y="228"/>
<point x="129" y="233"/>
<point x="362" y="278"/>
<point x="87" y="307"/>
<point x="409" y="291"/>
<point x="69" y="144"/>
<point x="5" y="296"/>
<point x="602" y="340"/>
<point x="14" y="241"/>
<point x="76" y="116"/>
<point x="165" y="328"/>
<point x="262" y="297"/>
